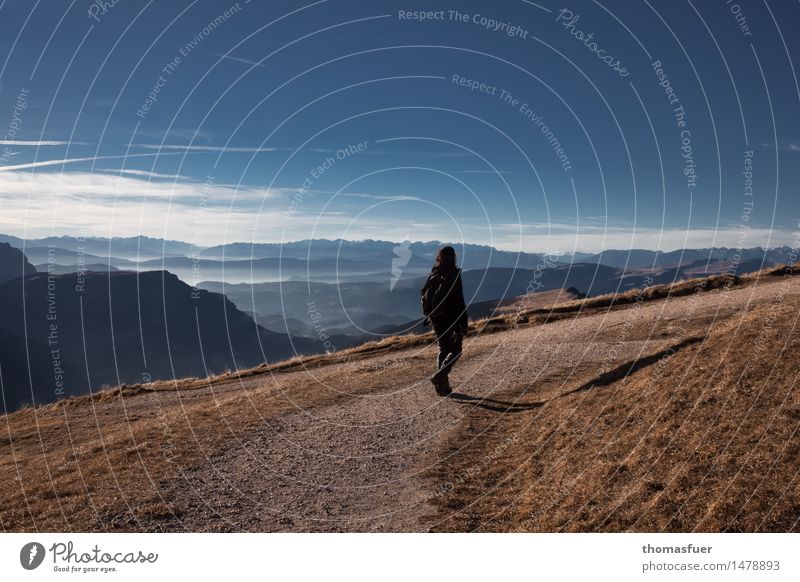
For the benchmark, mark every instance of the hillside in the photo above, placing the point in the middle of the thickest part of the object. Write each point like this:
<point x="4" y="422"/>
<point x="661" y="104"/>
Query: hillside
<point x="653" y="412"/>
<point x="84" y="332"/>
<point x="519" y="303"/>
<point x="13" y="263"/>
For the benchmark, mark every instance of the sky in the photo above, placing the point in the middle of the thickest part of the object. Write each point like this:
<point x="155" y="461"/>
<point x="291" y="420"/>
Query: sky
<point x="535" y="126"/>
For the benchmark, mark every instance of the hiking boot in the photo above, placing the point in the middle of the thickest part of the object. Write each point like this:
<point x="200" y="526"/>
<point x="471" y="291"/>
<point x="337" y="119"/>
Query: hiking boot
<point x="441" y="384"/>
<point x="446" y="389"/>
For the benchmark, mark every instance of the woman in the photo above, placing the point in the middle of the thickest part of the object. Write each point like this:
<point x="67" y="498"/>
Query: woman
<point x="443" y="306"/>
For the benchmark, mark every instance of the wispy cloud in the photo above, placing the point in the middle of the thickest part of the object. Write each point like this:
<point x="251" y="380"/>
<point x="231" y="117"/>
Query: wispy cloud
<point x="420" y="153"/>
<point x="40" y="142"/>
<point x="239" y="60"/>
<point x="128" y="204"/>
<point x="132" y="186"/>
<point x="205" y="148"/>
<point x="46" y="163"/>
<point x="381" y="197"/>
<point x="131" y="203"/>
<point x="190" y="134"/>
<point x="784" y="146"/>
<point x="143" y="174"/>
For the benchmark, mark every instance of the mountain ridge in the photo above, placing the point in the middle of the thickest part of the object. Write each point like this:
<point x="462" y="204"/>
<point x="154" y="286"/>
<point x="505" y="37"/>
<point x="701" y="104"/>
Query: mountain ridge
<point x="120" y="327"/>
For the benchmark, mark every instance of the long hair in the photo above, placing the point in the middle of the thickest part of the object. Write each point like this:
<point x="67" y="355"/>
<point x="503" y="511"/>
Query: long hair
<point x="445" y="259"/>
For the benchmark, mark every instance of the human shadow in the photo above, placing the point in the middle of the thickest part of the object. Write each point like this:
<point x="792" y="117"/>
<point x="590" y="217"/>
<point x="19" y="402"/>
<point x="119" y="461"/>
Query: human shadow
<point x="603" y="379"/>
<point x="629" y="368"/>
<point x="493" y="404"/>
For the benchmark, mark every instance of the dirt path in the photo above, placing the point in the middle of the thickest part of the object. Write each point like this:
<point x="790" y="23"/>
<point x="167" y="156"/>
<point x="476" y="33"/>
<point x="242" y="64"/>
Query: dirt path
<point x="372" y="459"/>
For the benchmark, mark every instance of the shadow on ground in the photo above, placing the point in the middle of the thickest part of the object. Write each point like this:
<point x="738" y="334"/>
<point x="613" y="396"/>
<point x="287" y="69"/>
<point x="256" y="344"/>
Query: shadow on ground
<point x="494" y="405"/>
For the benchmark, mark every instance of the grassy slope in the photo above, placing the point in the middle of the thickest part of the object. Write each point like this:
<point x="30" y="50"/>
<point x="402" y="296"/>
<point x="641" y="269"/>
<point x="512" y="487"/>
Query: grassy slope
<point x="700" y="437"/>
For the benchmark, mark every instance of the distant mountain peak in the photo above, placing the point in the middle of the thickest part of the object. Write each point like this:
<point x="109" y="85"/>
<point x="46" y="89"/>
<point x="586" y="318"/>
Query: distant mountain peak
<point x="13" y="263"/>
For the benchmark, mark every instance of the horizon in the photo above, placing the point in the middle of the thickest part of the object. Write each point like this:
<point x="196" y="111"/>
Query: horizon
<point x="792" y="244"/>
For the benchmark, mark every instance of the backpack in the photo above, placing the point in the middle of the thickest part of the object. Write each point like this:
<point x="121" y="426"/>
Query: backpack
<point x="434" y="294"/>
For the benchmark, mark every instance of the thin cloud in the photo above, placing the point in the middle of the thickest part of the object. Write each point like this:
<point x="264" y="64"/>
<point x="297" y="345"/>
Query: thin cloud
<point x="784" y="146"/>
<point x="127" y="204"/>
<point x="37" y="142"/>
<point x="424" y="154"/>
<point x="91" y="204"/>
<point x="144" y="174"/>
<point x="45" y="163"/>
<point x="379" y="197"/>
<point x="182" y="134"/>
<point x="205" y="148"/>
<point x="239" y="60"/>
<point x="96" y="204"/>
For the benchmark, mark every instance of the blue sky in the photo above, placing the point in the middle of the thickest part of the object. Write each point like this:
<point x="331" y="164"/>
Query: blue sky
<point x="216" y="122"/>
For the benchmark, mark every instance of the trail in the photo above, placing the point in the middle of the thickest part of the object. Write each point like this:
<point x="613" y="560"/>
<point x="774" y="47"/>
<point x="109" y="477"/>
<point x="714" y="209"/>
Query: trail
<point x="370" y="457"/>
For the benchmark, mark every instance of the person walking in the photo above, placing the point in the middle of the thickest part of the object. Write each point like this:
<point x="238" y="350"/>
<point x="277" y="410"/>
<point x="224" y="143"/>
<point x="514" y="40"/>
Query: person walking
<point x="444" y="308"/>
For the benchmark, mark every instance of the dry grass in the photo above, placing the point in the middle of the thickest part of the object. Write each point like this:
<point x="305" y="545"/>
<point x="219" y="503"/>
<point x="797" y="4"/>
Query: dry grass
<point x="700" y="437"/>
<point x="592" y="305"/>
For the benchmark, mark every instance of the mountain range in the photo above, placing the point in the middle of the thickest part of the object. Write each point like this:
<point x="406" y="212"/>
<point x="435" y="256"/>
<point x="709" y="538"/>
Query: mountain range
<point x="338" y="260"/>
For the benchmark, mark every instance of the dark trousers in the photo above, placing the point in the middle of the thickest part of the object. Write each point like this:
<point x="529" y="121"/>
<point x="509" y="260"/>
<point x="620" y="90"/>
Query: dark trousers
<point x="449" y="347"/>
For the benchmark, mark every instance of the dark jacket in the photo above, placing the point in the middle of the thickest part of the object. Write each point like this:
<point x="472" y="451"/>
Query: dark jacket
<point x="451" y="312"/>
